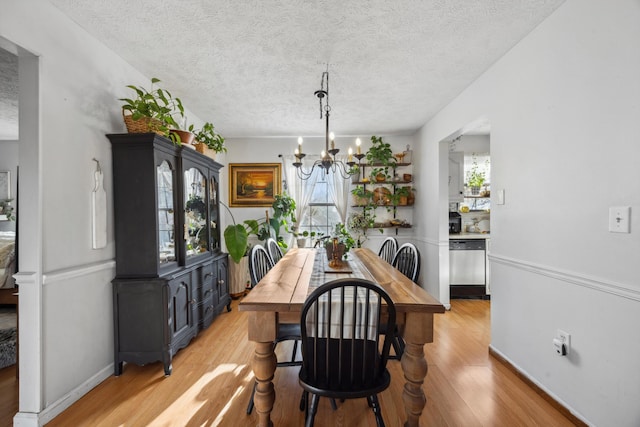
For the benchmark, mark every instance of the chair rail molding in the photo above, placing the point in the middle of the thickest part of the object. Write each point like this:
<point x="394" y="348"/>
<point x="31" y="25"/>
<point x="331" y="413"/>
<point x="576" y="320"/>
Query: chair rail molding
<point x="591" y="282"/>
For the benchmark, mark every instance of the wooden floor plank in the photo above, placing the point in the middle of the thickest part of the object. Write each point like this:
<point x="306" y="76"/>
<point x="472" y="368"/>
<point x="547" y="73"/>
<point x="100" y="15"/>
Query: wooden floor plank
<point x="212" y="381"/>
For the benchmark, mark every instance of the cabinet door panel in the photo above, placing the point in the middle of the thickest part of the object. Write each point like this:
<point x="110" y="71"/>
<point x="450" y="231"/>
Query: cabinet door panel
<point x="181" y="301"/>
<point x="196" y="232"/>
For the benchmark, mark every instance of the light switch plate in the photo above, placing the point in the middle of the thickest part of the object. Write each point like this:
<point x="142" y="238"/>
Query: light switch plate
<point x="500" y="198"/>
<point x="619" y="219"/>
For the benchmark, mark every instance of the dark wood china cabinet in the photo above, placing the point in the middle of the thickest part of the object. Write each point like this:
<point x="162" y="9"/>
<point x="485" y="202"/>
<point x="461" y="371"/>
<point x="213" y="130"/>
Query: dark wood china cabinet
<point x="171" y="276"/>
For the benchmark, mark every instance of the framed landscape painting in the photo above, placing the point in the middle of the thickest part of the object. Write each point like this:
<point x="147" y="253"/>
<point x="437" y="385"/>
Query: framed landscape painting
<point x="253" y="184"/>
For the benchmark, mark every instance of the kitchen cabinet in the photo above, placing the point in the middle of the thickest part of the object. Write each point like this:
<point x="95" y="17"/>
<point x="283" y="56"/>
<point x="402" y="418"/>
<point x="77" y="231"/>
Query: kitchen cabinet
<point x="171" y="276"/>
<point x="456" y="176"/>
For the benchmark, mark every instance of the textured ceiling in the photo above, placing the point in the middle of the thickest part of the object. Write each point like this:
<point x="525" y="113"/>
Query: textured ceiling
<point x="251" y="67"/>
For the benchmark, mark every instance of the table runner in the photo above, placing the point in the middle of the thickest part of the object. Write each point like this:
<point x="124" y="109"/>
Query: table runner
<point x="319" y="277"/>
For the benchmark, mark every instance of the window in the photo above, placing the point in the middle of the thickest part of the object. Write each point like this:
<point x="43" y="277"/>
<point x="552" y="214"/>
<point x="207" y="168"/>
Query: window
<point x="320" y="215"/>
<point x="481" y="164"/>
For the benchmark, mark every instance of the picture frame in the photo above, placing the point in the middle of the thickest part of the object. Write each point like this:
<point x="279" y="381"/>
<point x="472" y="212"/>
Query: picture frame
<point x="5" y="185"/>
<point x="254" y="184"/>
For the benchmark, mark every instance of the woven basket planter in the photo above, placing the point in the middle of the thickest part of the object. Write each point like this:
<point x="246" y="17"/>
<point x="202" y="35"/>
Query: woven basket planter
<point x="201" y="147"/>
<point x="142" y="125"/>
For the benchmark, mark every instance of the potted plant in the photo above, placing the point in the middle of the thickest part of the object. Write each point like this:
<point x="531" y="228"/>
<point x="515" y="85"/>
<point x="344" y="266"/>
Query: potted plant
<point x="207" y="140"/>
<point x="401" y="196"/>
<point x="152" y="111"/>
<point x="361" y="196"/>
<point x="359" y="223"/>
<point x="301" y="237"/>
<point x="475" y="178"/>
<point x="354" y="172"/>
<point x="236" y="236"/>
<point x="381" y="156"/>
<point x="340" y="241"/>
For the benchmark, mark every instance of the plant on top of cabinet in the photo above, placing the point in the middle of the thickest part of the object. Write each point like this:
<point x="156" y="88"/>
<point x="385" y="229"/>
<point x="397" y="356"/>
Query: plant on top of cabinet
<point x="207" y="135"/>
<point x="380" y="155"/>
<point x="152" y="111"/>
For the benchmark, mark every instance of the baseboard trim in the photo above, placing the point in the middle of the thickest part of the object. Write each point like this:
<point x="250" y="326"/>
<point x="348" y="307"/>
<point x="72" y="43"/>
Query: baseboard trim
<point x="57" y="407"/>
<point x="541" y="392"/>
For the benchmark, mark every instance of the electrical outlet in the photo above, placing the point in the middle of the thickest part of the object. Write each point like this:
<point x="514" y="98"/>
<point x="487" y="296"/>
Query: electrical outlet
<point x="565" y="339"/>
<point x="619" y="219"/>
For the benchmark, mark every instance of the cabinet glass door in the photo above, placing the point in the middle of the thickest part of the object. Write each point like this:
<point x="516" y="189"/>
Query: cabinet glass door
<point x="213" y="210"/>
<point x="166" y="214"/>
<point x="195" y="212"/>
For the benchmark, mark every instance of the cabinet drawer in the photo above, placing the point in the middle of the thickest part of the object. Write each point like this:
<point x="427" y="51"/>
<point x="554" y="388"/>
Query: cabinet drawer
<point x="208" y="312"/>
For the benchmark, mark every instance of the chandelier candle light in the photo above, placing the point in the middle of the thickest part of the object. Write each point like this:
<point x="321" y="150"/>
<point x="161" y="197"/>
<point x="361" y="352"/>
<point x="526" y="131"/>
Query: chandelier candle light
<point x="328" y="159"/>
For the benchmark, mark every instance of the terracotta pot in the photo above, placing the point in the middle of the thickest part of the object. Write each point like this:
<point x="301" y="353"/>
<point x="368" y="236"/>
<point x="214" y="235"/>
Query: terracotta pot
<point x="185" y="136"/>
<point x="381" y="177"/>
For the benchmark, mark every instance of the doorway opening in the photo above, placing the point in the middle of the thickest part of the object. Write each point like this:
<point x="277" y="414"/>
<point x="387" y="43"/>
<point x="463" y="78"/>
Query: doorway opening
<point x="469" y="212"/>
<point x="23" y="113"/>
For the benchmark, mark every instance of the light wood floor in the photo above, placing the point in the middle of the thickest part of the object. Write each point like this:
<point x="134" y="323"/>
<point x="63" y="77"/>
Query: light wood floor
<point x="212" y="380"/>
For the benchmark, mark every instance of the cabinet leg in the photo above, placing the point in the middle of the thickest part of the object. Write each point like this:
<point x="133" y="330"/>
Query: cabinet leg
<point x="117" y="369"/>
<point x="168" y="367"/>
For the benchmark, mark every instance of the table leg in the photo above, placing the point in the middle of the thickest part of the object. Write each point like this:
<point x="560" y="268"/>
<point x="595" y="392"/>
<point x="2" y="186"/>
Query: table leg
<point x="262" y="330"/>
<point x="418" y="331"/>
<point x="264" y="367"/>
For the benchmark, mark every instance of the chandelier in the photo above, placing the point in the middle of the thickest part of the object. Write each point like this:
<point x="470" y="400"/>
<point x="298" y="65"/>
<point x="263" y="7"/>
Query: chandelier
<point x="328" y="159"/>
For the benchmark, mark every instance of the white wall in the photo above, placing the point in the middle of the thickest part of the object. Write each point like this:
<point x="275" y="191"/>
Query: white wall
<point x="563" y="106"/>
<point x="266" y="150"/>
<point x="80" y="83"/>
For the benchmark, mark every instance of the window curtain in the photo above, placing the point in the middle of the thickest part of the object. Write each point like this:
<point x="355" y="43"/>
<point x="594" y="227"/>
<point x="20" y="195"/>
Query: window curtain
<point x="339" y="190"/>
<point x="299" y="189"/>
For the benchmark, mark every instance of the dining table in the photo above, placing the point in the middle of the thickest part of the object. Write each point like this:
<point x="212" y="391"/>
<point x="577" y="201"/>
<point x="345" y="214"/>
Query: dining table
<point x="281" y="294"/>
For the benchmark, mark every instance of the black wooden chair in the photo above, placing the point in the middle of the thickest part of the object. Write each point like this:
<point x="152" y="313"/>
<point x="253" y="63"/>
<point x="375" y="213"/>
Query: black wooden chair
<point x="274" y="250"/>
<point x="388" y="249"/>
<point x="260" y="263"/>
<point x="407" y="260"/>
<point x="341" y="353"/>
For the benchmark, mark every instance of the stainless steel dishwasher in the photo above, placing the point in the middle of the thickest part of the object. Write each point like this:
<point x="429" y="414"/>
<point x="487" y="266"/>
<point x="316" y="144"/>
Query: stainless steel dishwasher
<point x="467" y="272"/>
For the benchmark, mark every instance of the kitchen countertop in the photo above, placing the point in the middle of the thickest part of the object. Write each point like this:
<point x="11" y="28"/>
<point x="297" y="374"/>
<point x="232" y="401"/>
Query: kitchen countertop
<point x="469" y="236"/>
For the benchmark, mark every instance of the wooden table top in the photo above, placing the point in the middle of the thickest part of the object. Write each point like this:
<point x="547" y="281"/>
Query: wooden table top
<point x="287" y="285"/>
